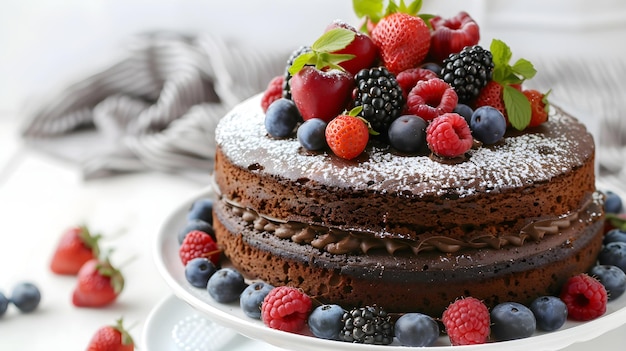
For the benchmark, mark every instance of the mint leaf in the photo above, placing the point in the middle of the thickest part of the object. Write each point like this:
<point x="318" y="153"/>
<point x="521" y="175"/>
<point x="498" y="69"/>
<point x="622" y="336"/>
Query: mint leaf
<point x="372" y="9"/>
<point x="501" y="52"/>
<point x="412" y="9"/>
<point x="300" y="62"/>
<point x="524" y="68"/>
<point x="333" y="40"/>
<point x="517" y="107"/>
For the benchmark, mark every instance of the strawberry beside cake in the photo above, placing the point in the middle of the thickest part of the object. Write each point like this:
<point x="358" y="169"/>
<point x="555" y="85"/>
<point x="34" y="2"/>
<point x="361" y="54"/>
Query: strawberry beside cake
<point x="418" y="178"/>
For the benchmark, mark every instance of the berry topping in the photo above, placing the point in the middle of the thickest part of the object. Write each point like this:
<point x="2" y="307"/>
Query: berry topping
<point x="312" y="134"/>
<point x="378" y="92"/>
<point x="539" y="106"/>
<point x="408" y="134"/>
<point x="252" y="298"/>
<point x="403" y="41"/>
<point x="491" y="95"/>
<point x="613" y="254"/>
<point x="281" y="118"/>
<point x="362" y="48"/>
<point x="26" y="297"/>
<point x="467" y="321"/>
<point x="431" y="98"/>
<point x="286" y="308"/>
<point x="613" y="279"/>
<point x="198" y="271"/>
<point x="416" y="330"/>
<point x="226" y="285"/>
<point x="449" y="135"/>
<point x="198" y="244"/>
<point x="488" y="125"/>
<point x="468" y="71"/>
<point x="367" y="325"/>
<point x="550" y="312"/>
<point x="273" y="92"/>
<point x="408" y="78"/>
<point x="451" y="35"/>
<point x="325" y="321"/>
<point x="465" y="111"/>
<point x="287" y="75"/>
<point x="585" y="297"/>
<point x="511" y="320"/>
<point x="614" y="235"/>
<point x="347" y="135"/>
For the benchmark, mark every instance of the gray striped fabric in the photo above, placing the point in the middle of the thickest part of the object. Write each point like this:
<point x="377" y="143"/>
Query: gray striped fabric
<point x="156" y="108"/>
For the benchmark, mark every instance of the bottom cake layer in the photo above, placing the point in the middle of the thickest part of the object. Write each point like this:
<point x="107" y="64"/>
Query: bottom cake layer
<point x="426" y="282"/>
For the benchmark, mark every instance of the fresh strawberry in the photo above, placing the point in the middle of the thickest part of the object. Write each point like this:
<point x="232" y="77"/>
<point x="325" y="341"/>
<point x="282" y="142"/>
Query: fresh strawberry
<point x="491" y="95"/>
<point x="273" y="92"/>
<point x="362" y="47"/>
<point x="408" y="78"/>
<point x="99" y="283"/>
<point x="111" y="338"/>
<point x="539" y="106"/>
<point x="403" y="41"/>
<point x="76" y="246"/>
<point x="320" y="87"/>
<point x="347" y="135"/>
<point x="452" y="34"/>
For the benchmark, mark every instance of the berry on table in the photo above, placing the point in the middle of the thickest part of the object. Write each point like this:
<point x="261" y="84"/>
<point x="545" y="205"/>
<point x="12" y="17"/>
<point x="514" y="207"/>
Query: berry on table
<point x="585" y="297"/>
<point x="467" y="322"/>
<point x="311" y="134"/>
<point x="408" y="134"/>
<point x="488" y="125"/>
<point x="226" y="285"/>
<point x="286" y="308"/>
<point x="281" y="118"/>
<point x="378" y="93"/>
<point x="111" y="338"/>
<point x="98" y="284"/>
<point x="612" y="277"/>
<point x="347" y="135"/>
<point x="449" y="135"/>
<point x="550" y="312"/>
<point x="198" y="244"/>
<point x="325" y="321"/>
<point x="416" y="330"/>
<point x="431" y="98"/>
<point x="273" y="92"/>
<point x="451" y="35"/>
<point x="468" y="71"/>
<point x="613" y="254"/>
<point x="252" y="298"/>
<point x="26" y="296"/>
<point x="512" y="320"/>
<point x="76" y="246"/>
<point x="198" y="271"/>
<point x="367" y="325"/>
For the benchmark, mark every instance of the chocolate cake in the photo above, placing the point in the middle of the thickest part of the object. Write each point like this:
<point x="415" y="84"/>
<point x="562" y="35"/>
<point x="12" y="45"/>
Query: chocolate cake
<point x="511" y="222"/>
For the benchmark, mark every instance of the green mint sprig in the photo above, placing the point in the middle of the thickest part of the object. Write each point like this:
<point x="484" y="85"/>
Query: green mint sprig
<point x="321" y="54"/>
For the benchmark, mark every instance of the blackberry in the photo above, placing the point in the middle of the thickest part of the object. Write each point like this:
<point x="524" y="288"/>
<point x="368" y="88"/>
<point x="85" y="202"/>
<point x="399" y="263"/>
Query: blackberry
<point x="367" y="325"/>
<point x="286" y="87"/>
<point x="378" y="91"/>
<point x="468" y="71"/>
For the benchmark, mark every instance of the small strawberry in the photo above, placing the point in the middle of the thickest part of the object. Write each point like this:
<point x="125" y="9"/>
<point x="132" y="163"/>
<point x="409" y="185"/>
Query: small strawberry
<point x="347" y="135"/>
<point x="320" y="87"/>
<point x="539" y="106"/>
<point x="362" y="47"/>
<point x="403" y="41"/>
<point x="99" y="283"/>
<point x="111" y="338"/>
<point x="199" y="244"/>
<point x="491" y="95"/>
<point x="76" y="246"/>
<point x="451" y="35"/>
<point x="273" y="92"/>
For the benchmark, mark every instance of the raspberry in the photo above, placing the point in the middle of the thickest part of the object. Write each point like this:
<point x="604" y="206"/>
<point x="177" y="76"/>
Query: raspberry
<point x="585" y="297"/>
<point x="286" y="308"/>
<point x="273" y="92"/>
<point x="449" y="135"/>
<point x="409" y="77"/>
<point x="431" y="98"/>
<point x="467" y="322"/>
<point x="198" y="244"/>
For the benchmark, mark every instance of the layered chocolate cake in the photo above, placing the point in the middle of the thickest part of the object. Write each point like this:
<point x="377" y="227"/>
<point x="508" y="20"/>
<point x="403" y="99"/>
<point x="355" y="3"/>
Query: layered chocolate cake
<point x="510" y="222"/>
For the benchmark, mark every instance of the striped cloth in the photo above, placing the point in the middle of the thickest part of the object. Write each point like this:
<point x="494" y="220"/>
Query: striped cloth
<point x="155" y="109"/>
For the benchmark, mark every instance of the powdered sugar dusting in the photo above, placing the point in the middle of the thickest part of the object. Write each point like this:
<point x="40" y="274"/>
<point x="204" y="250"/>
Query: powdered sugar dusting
<point x="519" y="160"/>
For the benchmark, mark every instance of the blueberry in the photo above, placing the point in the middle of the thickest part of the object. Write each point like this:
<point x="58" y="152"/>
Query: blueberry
<point x="325" y="321"/>
<point x="201" y="209"/>
<point x="252" y="297"/>
<point x="407" y="133"/>
<point x="613" y="279"/>
<point x="26" y="296"/>
<point x="613" y="254"/>
<point x="488" y="124"/>
<point x="311" y="134"/>
<point x="550" y="312"/>
<point x="281" y="118"/>
<point x="512" y="320"/>
<point x="465" y="111"/>
<point x="4" y="304"/>
<point x="614" y="235"/>
<point x="198" y="271"/>
<point x="195" y="224"/>
<point x="226" y="285"/>
<point x="416" y="329"/>
<point x="432" y="66"/>
<point x="612" y="202"/>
